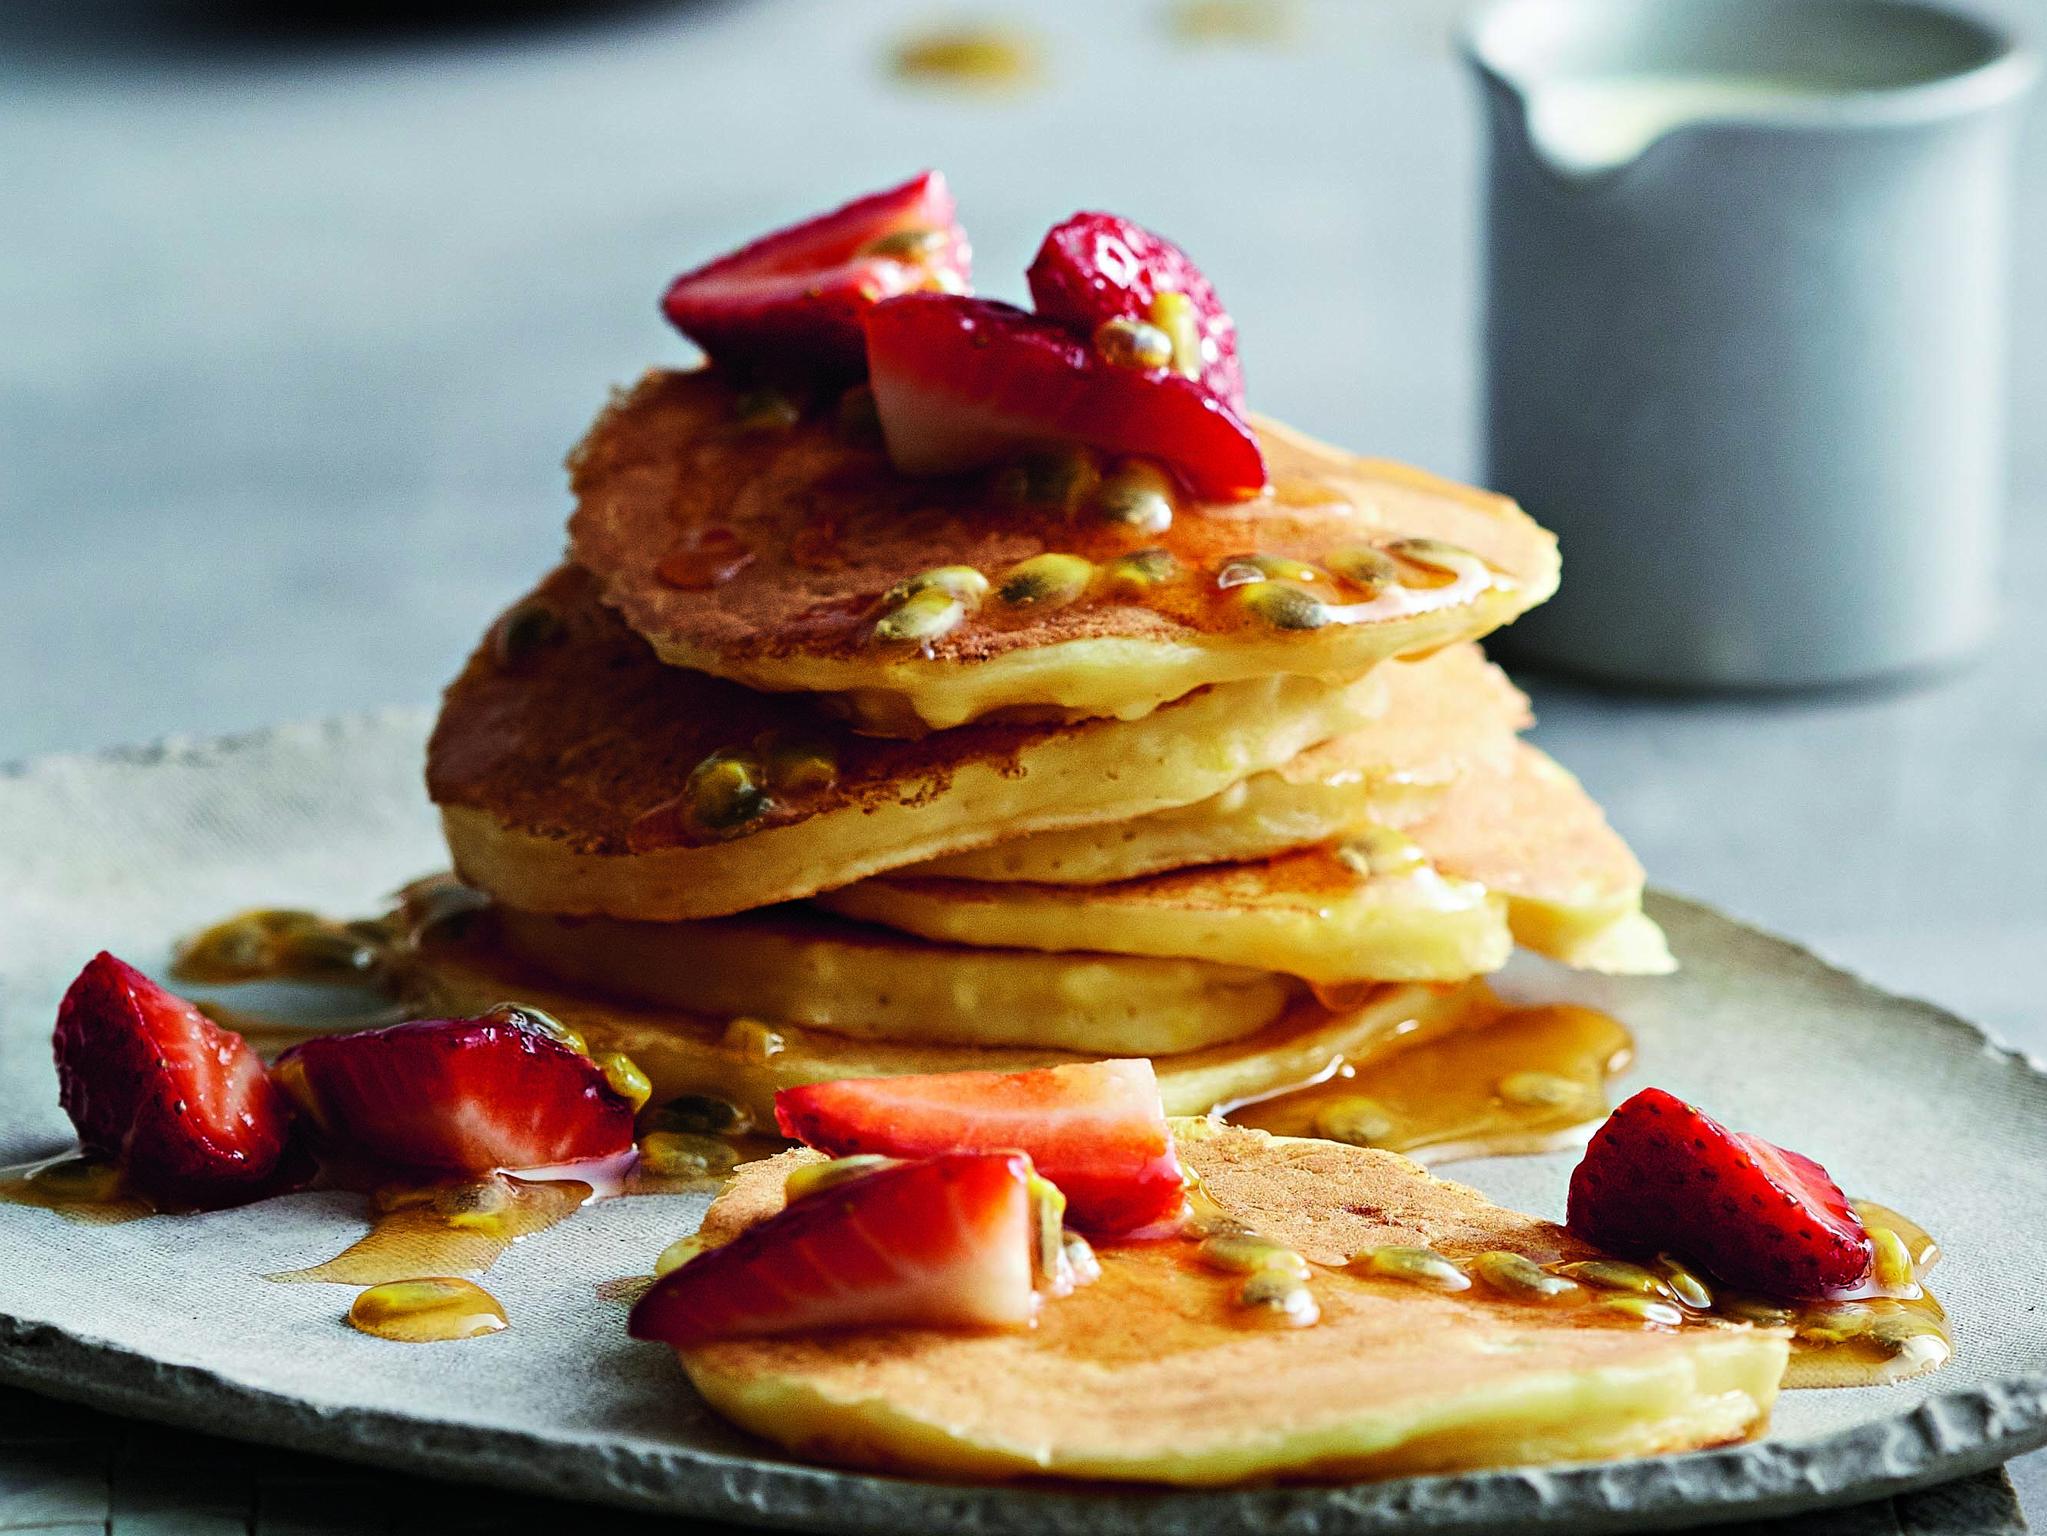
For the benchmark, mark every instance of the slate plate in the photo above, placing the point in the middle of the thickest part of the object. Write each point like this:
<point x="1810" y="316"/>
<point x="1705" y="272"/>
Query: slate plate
<point x="167" y="1318"/>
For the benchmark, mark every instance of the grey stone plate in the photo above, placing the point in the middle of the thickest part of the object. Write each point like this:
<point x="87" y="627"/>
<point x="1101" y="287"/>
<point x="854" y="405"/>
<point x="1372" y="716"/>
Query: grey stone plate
<point x="169" y="1319"/>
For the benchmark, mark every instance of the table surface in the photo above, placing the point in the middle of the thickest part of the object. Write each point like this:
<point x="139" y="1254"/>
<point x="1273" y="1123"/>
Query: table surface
<point x="301" y="320"/>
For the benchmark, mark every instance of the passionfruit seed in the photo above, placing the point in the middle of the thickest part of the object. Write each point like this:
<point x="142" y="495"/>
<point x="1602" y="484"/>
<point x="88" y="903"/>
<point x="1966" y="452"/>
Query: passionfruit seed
<point x="1356" y="1119"/>
<point x="1135" y="574"/>
<point x="1617" y="1275"/>
<point x="1516" y="1275"/>
<point x="1415" y="1265"/>
<point x="1280" y="1298"/>
<point x="1129" y="342"/>
<point x="1249" y="1254"/>
<point x="1642" y="1309"/>
<point x="1283" y="605"/>
<point x="724" y="793"/>
<point x="1046" y="581"/>
<point x="1137" y="495"/>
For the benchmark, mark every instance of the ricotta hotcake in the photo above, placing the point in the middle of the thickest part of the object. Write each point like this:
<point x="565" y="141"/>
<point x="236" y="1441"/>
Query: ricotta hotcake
<point x="577" y="774"/>
<point x="793" y="558"/>
<point x="803" y="966"/>
<point x="1451" y="714"/>
<point x="1332" y="916"/>
<point x="1154" y="1372"/>
<point x="1527" y="830"/>
<point x="459" y="967"/>
<point x="1512" y="844"/>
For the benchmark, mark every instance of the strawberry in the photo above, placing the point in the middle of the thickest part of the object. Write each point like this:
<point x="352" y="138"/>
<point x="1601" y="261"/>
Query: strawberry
<point x="1098" y="1130"/>
<point x="457" y="1096"/>
<point x="795" y="296"/>
<point x="1663" y="1175"/>
<point x="183" y="1106"/>
<point x="1097" y="267"/>
<point x="960" y="382"/>
<point x="941" y="1242"/>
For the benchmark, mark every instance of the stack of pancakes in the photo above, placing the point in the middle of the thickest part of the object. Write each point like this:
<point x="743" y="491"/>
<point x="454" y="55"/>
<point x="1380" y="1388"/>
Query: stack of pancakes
<point x="804" y="769"/>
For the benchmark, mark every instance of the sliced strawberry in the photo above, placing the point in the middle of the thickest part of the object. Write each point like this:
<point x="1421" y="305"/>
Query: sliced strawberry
<point x="1098" y="1131"/>
<point x="457" y="1096"/>
<point x="184" y="1106"/>
<point x="1098" y="267"/>
<point x="945" y="1242"/>
<point x="1663" y="1175"/>
<point x="795" y="296"/>
<point x="961" y="382"/>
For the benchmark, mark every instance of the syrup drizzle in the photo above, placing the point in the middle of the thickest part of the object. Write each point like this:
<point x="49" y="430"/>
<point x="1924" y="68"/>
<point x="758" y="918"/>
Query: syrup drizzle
<point x="426" y="1232"/>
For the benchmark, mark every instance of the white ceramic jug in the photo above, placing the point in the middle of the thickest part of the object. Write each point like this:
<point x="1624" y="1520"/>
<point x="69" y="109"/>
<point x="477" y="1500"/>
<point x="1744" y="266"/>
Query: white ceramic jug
<point x="1746" y="328"/>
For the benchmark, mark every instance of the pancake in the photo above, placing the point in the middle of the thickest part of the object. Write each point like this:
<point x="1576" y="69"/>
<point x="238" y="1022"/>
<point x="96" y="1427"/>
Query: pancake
<point x="1515" y="839"/>
<point x="566" y="765"/>
<point x="458" y="967"/>
<point x="780" y="548"/>
<point x="1450" y="714"/>
<point x="1325" y="915"/>
<point x="1152" y="1373"/>
<point x="808" y="967"/>
<point x="1528" y="831"/>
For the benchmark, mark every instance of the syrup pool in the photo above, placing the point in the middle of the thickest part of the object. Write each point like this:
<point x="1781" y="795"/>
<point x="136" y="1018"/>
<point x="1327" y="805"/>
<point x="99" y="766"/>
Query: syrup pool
<point x="1488" y="1081"/>
<point x="429" y="1310"/>
<point x="73" y="1184"/>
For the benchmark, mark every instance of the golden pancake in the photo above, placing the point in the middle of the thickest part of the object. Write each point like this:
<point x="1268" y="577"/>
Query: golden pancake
<point x="1528" y="831"/>
<point x="803" y="966"/>
<point x="577" y="774"/>
<point x="1332" y="917"/>
<point x="1452" y="713"/>
<point x="786" y="559"/>
<point x="1154" y="1373"/>
<point x="459" y="967"/>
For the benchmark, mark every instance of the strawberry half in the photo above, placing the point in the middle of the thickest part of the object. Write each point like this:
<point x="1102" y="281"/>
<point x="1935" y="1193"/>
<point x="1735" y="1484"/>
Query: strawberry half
<point x="183" y="1106"/>
<point x="961" y="382"/>
<point x="796" y="296"/>
<point x="1098" y="1130"/>
<point x="1663" y="1175"/>
<point x="1098" y="267"/>
<point x="945" y="1242"/>
<point x="458" y="1096"/>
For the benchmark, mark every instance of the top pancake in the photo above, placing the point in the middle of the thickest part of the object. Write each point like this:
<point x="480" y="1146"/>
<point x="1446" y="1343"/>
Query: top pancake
<point x="788" y="538"/>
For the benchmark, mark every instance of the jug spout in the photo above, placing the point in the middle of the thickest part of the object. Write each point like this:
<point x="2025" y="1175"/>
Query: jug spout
<point x="1590" y="86"/>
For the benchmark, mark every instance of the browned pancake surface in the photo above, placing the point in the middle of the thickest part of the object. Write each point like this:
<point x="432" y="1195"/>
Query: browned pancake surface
<point x="828" y="527"/>
<point x="587" y="734"/>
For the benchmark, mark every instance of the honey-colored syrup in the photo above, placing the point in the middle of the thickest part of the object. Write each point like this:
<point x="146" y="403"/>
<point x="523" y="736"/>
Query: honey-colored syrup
<point x="421" y="1233"/>
<point x="1894" y="1331"/>
<point x="76" y="1185"/>
<point x="430" y="1310"/>
<point x="713" y="557"/>
<point x="1489" y="1081"/>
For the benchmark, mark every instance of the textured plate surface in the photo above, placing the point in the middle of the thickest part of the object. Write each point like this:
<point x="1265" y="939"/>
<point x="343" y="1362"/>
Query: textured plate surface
<point x="167" y="1318"/>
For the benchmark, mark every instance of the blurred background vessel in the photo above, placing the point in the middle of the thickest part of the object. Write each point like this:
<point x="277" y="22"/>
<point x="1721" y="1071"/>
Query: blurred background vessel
<point x="1746" y="328"/>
